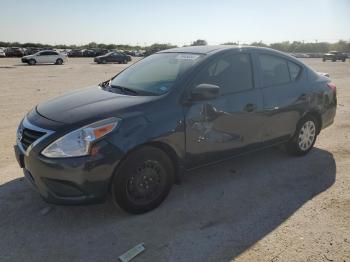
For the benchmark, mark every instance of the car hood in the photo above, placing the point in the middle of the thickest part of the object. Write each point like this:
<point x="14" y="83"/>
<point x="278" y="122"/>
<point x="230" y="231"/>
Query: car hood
<point x="88" y="104"/>
<point x="101" y="56"/>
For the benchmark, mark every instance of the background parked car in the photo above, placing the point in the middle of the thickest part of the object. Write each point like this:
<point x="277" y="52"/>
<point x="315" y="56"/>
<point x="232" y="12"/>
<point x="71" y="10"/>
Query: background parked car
<point x="14" y="52"/>
<point x="112" y="57"/>
<point x="2" y="53"/>
<point x="100" y="52"/>
<point x="75" y="53"/>
<point x="32" y="50"/>
<point x="334" y="56"/>
<point x="89" y="53"/>
<point x="45" y="57"/>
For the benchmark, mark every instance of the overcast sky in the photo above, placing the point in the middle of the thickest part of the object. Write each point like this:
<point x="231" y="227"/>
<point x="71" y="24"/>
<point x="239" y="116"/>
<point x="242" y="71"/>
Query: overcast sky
<point x="179" y="22"/>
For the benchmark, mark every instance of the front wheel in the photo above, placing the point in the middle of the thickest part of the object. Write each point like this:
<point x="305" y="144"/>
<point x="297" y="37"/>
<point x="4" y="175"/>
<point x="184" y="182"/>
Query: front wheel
<point x="143" y="180"/>
<point x="31" y="62"/>
<point x="59" y="61"/>
<point x="304" y="137"/>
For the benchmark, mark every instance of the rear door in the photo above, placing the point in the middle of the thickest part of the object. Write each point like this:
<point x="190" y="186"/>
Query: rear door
<point x="52" y="57"/>
<point x="231" y="123"/>
<point x="284" y="94"/>
<point x="117" y="57"/>
<point x="42" y="57"/>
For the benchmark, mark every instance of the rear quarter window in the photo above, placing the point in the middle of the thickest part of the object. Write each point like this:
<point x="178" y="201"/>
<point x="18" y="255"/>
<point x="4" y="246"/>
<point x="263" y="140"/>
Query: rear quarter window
<point x="294" y="70"/>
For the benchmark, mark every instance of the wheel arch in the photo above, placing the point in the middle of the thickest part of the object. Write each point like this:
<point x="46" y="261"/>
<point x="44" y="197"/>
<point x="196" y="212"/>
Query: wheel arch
<point x="317" y="116"/>
<point x="166" y="148"/>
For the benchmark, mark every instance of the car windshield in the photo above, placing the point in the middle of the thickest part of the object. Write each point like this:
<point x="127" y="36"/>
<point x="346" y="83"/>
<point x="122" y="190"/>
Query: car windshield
<point x="157" y="73"/>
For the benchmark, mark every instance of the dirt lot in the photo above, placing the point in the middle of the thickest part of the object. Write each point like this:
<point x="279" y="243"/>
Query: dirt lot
<point x="266" y="206"/>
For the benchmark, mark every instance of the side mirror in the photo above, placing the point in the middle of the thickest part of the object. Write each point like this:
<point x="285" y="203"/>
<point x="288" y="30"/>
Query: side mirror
<point x="204" y="92"/>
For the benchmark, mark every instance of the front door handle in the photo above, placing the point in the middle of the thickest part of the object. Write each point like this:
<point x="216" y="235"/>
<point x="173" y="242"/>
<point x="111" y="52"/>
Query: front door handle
<point x="250" y="107"/>
<point x="271" y="108"/>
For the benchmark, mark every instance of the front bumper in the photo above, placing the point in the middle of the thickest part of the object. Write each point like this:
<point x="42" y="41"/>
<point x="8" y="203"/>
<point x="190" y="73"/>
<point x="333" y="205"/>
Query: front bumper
<point x="75" y="180"/>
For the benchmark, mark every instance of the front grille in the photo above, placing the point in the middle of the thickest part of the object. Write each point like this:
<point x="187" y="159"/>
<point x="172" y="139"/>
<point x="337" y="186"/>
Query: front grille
<point x="29" y="136"/>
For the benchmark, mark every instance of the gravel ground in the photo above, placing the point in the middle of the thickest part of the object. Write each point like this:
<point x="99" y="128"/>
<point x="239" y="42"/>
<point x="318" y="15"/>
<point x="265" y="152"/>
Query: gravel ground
<point x="266" y="206"/>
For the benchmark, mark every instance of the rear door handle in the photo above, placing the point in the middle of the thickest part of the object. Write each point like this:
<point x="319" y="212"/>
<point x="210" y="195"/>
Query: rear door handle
<point x="250" y="107"/>
<point x="303" y="97"/>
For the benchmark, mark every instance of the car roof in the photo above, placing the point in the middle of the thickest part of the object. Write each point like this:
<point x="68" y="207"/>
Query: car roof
<point x="206" y="49"/>
<point x="210" y="50"/>
<point x="213" y="49"/>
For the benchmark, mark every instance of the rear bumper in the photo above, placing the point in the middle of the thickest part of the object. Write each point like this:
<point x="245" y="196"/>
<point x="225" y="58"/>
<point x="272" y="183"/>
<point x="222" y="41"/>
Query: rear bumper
<point x="329" y="114"/>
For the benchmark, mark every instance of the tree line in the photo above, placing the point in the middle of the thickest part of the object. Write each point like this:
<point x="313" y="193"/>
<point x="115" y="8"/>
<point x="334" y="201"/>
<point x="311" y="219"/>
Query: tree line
<point x="286" y="46"/>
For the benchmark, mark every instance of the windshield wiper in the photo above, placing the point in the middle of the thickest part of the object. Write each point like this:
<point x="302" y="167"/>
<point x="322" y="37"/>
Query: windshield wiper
<point x="125" y="89"/>
<point x="105" y="83"/>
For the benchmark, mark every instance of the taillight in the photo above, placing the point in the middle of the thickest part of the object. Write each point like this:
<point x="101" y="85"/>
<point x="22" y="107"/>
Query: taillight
<point x="332" y="86"/>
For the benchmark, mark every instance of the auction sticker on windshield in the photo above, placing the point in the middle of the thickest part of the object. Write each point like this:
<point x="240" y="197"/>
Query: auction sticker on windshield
<point x="187" y="57"/>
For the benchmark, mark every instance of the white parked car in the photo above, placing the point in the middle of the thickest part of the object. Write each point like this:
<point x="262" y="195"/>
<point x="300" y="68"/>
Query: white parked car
<point x="2" y="53"/>
<point x="45" y="57"/>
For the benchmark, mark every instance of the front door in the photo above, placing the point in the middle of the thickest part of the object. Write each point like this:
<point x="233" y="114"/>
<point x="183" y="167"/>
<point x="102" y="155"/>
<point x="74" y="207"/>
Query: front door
<point x="231" y="123"/>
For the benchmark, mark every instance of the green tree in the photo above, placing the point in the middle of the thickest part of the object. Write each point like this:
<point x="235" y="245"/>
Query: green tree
<point x="199" y="42"/>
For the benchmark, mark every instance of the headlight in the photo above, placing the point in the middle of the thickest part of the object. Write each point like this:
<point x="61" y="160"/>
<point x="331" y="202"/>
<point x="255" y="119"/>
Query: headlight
<point x="78" y="142"/>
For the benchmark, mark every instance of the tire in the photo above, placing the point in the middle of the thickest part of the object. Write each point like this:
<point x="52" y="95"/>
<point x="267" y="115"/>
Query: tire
<point x="344" y="59"/>
<point x="334" y="60"/>
<point x="125" y="61"/>
<point x="304" y="138"/>
<point x="104" y="61"/>
<point x="324" y="59"/>
<point x="31" y="62"/>
<point x="143" y="180"/>
<point x="59" y="61"/>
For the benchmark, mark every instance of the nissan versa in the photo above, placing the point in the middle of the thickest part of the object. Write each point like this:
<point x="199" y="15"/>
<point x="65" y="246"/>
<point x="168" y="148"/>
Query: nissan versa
<point x="137" y="133"/>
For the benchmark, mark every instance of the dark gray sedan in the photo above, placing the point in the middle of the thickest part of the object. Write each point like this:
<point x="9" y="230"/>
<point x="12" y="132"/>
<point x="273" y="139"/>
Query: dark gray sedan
<point x="112" y="57"/>
<point x="137" y="133"/>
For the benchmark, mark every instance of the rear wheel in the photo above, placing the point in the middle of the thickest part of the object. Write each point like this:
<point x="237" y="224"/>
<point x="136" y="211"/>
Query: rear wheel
<point x="59" y="61"/>
<point x="143" y="180"/>
<point x="125" y="61"/>
<point x="304" y="137"/>
<point x="31" y="62"/>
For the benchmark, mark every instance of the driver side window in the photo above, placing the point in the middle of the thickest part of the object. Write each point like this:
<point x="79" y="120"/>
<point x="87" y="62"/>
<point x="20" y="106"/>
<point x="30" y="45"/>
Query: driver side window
<point x="232" y="73"/>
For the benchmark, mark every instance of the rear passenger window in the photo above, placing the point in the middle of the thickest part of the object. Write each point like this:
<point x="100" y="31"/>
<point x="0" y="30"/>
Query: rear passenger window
<point x="232" y="73"/>
<point x="274" y="70"/>
<point x="294" y="70"/>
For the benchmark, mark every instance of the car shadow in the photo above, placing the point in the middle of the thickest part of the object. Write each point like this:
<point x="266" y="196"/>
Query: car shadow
<point x="41" y="64"/>
<point x="215" y="215"/>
